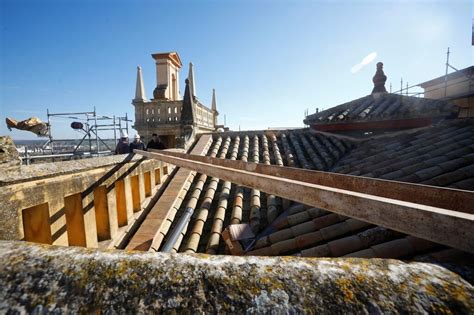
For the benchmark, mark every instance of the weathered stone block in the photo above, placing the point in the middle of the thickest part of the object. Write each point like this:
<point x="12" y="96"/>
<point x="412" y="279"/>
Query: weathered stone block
<point x="9" y="158"/>
<point x="41" y="278"/>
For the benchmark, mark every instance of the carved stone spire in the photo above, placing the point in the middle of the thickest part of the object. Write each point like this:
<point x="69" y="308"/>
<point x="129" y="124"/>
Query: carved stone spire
<point x="192" y="87"/>
<point x="215" y="113"/>
<point x="379" y="80"/>
<point x="140" y="88"/>
<point x="214" y="104"/>
<point x="187" y="113"/>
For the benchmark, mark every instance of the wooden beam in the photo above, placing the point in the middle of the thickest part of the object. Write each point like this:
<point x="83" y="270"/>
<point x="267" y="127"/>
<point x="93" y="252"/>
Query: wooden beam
<point x="447" y="227"/>
<point x="373" y="125"/>
<point x="441" y="197"/>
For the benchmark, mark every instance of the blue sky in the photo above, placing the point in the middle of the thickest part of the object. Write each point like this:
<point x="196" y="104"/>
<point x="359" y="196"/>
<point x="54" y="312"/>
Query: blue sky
<point x="267" y="60"/>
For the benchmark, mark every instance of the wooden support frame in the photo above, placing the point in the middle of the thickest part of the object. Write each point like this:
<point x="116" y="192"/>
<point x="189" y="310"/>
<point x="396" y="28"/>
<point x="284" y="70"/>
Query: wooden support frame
<point x="423" y="213"/>
<point x="441" y="197"/>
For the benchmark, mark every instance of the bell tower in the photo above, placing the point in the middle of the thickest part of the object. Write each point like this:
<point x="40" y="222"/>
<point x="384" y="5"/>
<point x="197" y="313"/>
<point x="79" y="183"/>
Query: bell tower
<point x="167" y="76"/>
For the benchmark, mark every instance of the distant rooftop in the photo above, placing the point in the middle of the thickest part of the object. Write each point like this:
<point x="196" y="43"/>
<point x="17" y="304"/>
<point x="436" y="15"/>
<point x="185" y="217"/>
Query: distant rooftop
<point x="404" y="111"/>
<point x="466" y="72"/>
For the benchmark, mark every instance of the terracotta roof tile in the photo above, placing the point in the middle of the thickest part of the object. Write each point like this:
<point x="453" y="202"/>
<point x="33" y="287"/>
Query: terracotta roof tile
<point x="399" y="248"/>
<point x="317" y="251"/>
<point x="466" y="184"/>
<point x="339" y="229"/>
<point x="359" y="241"/>
<point x="458" y="175"/>
<point x="383" y="106"/>
<point x="440" y="155"/>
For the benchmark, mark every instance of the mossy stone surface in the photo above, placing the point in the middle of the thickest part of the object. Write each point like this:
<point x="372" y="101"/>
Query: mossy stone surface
<point x="43" y="278"/>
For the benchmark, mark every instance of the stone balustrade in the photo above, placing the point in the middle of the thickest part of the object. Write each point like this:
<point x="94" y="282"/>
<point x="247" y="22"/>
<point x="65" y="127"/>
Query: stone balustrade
<point x="151" y="114"/>
<point x="91" y="203"/>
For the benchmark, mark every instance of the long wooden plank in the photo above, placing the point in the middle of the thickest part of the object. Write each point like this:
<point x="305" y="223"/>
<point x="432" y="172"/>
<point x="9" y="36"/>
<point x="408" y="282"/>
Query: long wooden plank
<point x="448" y="227"/>
<point x="441" y="197"/>
<point x="144" y="237"/>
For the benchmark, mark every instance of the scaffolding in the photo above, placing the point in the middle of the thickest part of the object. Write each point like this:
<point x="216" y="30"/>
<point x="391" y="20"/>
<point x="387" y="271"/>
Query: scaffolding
<point x="91" y="124"/>
<point x="406" y="90"/>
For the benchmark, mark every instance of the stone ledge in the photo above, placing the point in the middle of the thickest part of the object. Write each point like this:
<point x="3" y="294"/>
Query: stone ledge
<point x="39" y="278"/>
<point x="45" y="170"/>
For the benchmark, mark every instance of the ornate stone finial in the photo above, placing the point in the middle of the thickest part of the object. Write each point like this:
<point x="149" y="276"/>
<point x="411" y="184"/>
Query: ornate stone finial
<point x="187" y="113"/>
<point x="379" y="80"/>
<point x="192" y="86"/>
<point x="140" y="87"/>
<point x="214" y="103"/>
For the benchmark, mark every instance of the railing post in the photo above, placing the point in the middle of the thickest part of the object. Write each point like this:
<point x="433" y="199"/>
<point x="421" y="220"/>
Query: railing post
<point x="36" y="226"/>
<point x="121" y="203"/>
<point x="58" y="221"/>
<point x="128" y="197"/>
<point x="141" y="185"/>
<point x="112" y="206"/>
<point x="89" y="220"/>
<point x="102" y="213"/>
<point x="76" y="232"/>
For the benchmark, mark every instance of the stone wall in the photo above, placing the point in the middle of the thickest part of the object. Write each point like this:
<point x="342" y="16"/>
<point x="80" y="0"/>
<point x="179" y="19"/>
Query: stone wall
<point x="80" y="203"/>
<point x="40" y="278"/>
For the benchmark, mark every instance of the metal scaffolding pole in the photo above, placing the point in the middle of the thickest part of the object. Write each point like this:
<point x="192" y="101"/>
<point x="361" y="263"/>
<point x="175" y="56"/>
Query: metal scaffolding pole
<point x="96" y="136"/>
<point x="446" y="75"/>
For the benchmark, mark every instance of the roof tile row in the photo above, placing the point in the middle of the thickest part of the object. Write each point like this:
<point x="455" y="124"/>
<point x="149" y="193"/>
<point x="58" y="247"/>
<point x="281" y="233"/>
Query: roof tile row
<point x="440" y="155"/>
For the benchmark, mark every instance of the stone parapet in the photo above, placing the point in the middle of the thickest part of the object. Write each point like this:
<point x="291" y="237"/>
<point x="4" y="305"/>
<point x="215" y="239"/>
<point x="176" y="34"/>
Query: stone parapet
<point x="45" y="170"/>
<point x="39" y="278"/>
<point x="85" y="202"/>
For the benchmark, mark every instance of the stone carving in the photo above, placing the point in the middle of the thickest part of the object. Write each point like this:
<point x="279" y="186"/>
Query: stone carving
<point x="32" y="124"/>
<point x="9" y="158"/>
<point x="187" y="113"/>
<point x="159" y="91"/>
<point x="379" y="79"/>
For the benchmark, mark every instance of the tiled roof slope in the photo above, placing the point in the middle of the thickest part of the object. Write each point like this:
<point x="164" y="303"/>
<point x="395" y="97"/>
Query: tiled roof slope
<point x="220" y="203"/>
<point x="440" y="155"/>
<point x="383" y="106"/>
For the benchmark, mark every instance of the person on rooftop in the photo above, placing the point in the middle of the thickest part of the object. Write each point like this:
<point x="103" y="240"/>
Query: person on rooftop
<point x="155" y="143"/>
<point x="122" y="146"/>
<point x="137" y="144"/>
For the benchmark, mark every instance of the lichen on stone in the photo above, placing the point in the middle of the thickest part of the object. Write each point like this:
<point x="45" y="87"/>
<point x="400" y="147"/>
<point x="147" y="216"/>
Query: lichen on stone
<point x="40" y="278"/>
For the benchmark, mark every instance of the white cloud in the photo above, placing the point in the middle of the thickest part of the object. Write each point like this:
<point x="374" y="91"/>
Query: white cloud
<point x="367" y="60"/>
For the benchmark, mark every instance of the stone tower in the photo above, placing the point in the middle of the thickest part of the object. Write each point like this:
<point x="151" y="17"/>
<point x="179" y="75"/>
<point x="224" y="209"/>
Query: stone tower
<point x="174" y="119"/>
<point x="167" y="76"/>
